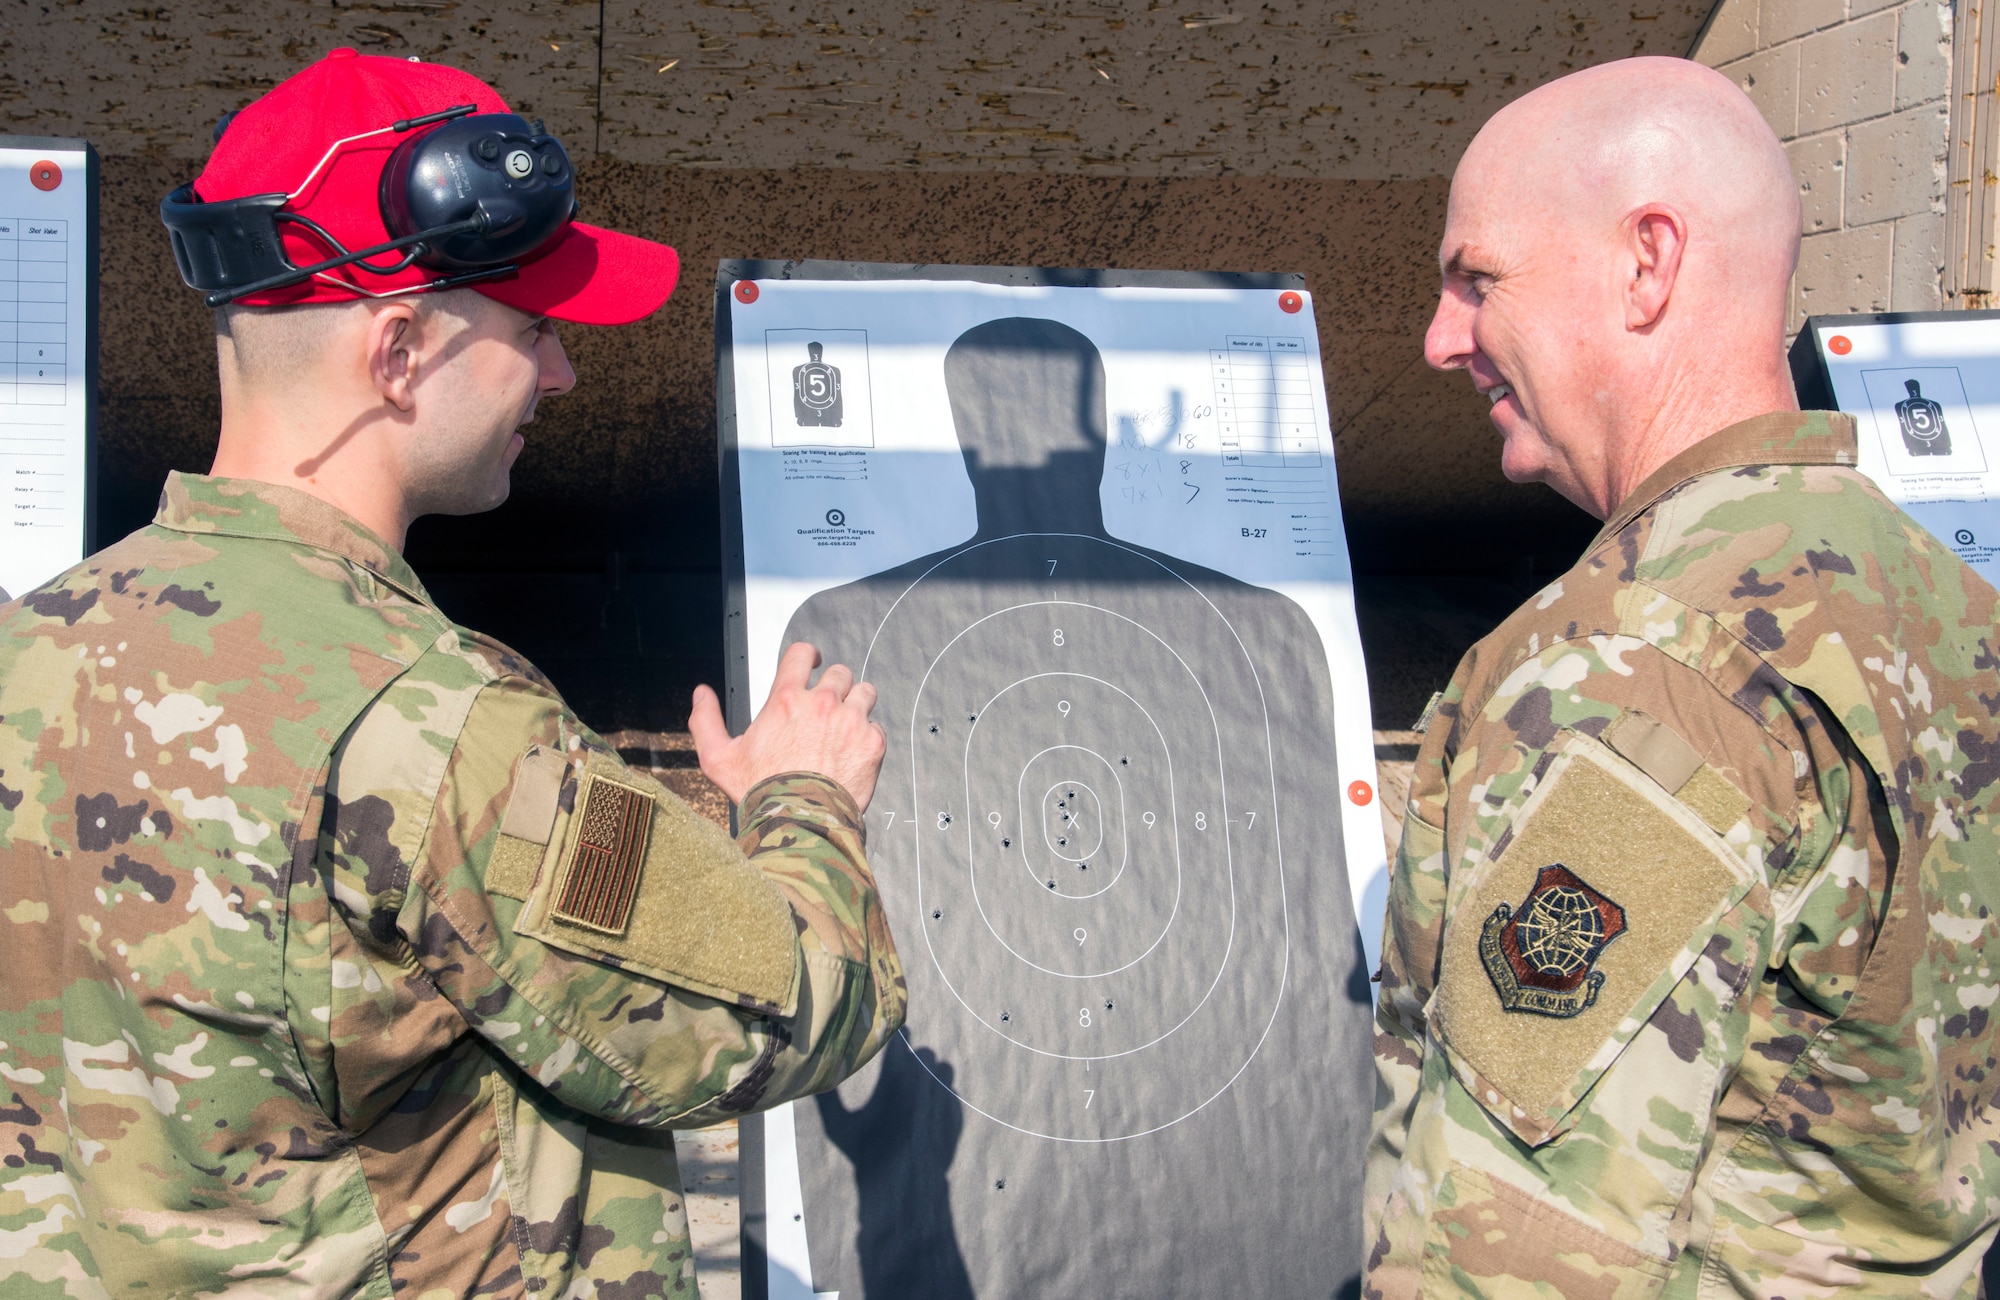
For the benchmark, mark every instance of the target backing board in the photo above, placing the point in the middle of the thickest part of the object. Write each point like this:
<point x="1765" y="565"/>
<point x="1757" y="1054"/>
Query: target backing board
<point x="1924" y="389"/>
<point x="1080" y="530"/>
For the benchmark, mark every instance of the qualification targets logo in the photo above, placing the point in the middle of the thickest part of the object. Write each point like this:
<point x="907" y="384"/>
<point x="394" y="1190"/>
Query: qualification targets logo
<point x="833" y="530"/>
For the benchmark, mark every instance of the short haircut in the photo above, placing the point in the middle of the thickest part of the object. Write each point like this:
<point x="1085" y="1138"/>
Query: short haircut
<point x="267" y="342"/>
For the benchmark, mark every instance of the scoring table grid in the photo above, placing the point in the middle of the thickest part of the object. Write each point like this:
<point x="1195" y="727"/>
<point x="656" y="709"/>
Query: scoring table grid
<point x="1264" y="402"/>
<point x="34" y="312"/>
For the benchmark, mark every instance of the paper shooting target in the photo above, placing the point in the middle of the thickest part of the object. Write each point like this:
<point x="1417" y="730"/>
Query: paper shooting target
<point x="1107" y="838"/>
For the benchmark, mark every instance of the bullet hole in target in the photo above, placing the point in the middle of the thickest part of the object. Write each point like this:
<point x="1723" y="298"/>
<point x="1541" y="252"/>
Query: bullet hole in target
<point x="1004" y="1017"/>
<point x="999" y="1184"/>
<point x="1052" y="884"/>
<point x="1107" y="1006"/>
<point x="1006" y="844"/>
<point x="972" y="717"/>
<point x="934" y="728"/>
<point x="937" y="916"/>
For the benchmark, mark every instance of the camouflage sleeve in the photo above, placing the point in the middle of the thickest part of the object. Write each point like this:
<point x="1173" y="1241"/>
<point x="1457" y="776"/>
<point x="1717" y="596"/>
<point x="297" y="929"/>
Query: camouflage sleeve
<point x="1584" y="892"/>
<point x="1411" y="930"/>
<point x="804" y="833"/>
<point x="613" y="944"/>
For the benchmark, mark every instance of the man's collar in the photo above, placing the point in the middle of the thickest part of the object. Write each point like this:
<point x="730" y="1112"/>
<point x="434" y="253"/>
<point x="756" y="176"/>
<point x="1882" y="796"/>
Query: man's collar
<point x="1780" y="438"/>
<point x="241" y="507"/>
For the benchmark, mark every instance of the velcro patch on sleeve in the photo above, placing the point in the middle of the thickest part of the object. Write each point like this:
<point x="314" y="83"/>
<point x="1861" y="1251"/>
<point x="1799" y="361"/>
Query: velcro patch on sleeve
<point x="536" y="797"/>
<point x="1714" y="799"/>
<point x="1604" y="895"/>
<point x="1652" y="747"/>
<point x="641" y="881"/>
<point x="1655" y="749"/>
<point x="510" y="871"/>
<point x="532" y="805"/>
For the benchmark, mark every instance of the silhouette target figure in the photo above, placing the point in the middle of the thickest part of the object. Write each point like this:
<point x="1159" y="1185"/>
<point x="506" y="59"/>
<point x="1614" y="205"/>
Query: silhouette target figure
<point x="1922" y="422"/>
<point x="1107" y="836"/>
<point x="816" y="391"/>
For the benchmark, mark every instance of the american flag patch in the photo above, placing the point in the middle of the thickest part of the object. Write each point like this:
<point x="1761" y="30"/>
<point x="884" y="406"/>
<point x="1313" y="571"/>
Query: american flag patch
<point x="604" y="864"/>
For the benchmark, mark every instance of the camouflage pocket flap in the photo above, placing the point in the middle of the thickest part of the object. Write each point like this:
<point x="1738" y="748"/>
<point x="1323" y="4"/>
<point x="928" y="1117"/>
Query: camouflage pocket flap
<point x="1605" y="891"/>
<point x="642" y="882"/>
<point x="1490" y="1238"/>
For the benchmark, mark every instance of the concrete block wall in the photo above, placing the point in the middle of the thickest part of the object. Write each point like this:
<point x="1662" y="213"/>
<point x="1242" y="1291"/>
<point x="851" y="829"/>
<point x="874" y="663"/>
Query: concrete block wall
<point x="1289" y="135"/>
<point x="1859" y="91"/>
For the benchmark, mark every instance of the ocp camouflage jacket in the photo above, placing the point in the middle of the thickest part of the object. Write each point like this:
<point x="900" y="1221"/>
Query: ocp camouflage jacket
<point x="343" y="960"/>
<point x="1685" y="987"/>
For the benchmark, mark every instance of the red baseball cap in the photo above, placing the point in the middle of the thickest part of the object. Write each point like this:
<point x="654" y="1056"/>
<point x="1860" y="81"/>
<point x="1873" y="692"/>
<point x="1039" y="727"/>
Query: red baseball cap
<point x="585" y="274"/>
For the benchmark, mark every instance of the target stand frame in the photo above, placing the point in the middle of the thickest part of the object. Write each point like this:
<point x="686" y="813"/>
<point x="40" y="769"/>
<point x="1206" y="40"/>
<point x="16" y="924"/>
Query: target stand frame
<point x="1244" y="798"/>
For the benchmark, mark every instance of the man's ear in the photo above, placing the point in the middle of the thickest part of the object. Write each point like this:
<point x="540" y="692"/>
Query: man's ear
<point x="395" y="339"/>
<point x="1656" y="239"/>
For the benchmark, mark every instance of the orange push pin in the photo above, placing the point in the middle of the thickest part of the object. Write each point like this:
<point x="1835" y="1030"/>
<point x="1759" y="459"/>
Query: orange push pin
<point x="1361" y="793"/>
<point x="1289" y="302"/>
<point x="44" y="175"/>
<point x="746" y="291"/>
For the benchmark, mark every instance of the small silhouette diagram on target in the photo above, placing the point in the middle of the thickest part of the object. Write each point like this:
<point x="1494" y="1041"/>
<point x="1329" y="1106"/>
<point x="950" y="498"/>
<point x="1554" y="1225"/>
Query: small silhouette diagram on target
<point x="819" y="388"/>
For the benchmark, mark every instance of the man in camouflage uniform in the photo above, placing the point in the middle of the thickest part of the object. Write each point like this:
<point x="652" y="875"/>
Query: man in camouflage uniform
<point x="1684" y="987"/>
<point x="343" y="959"/>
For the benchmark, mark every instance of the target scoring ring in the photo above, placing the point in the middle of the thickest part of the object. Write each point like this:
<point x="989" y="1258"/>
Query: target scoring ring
<point x="1109" y="866"/>
<point x="1072" y="821"/>
<point x="979" y="898"/>
<point x="1200" y="1087"/>
<point x="993" y="1020"/>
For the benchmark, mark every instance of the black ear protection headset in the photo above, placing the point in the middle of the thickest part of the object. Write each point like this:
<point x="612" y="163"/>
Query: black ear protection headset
<point x="469" y="200"/>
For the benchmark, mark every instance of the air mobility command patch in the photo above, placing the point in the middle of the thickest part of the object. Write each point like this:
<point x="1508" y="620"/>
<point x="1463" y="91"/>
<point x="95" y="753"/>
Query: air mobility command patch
<point x="1540" y="957"/>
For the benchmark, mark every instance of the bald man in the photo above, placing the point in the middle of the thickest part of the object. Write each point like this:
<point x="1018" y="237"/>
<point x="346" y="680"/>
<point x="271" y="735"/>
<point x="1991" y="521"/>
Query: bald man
<point x="1683" y="989"/>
